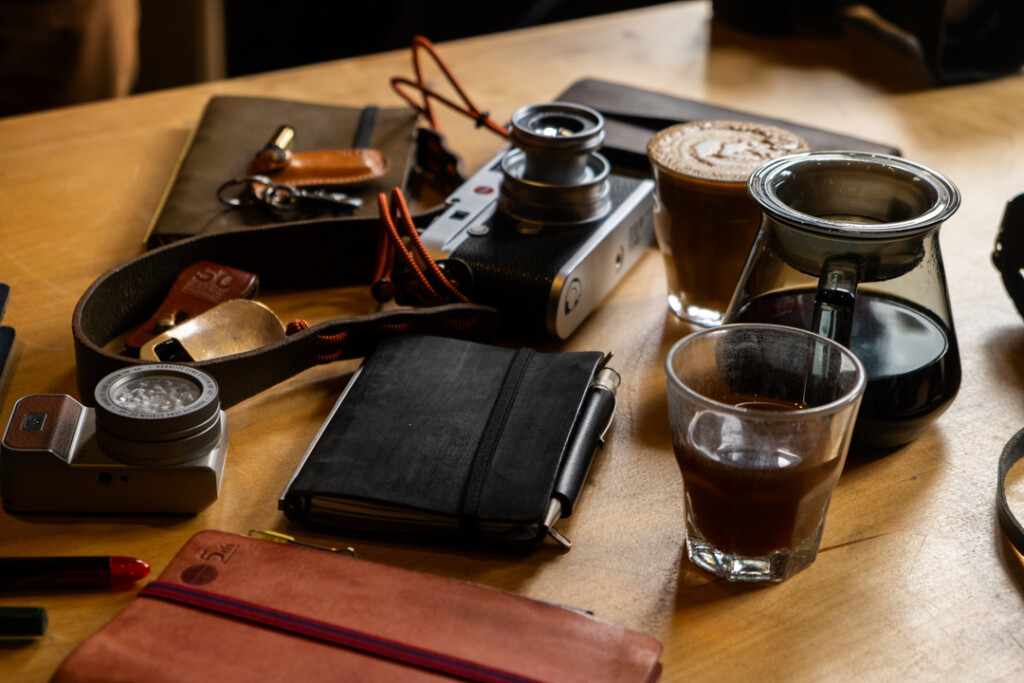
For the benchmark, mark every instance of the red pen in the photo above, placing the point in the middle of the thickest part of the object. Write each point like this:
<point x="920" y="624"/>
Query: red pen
<point x="70" y="572"/>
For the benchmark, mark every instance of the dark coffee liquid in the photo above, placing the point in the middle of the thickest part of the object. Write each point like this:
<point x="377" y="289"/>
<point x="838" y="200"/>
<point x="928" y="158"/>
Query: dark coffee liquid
<point x="754" y="502"/>
<point x="911" y="359"/>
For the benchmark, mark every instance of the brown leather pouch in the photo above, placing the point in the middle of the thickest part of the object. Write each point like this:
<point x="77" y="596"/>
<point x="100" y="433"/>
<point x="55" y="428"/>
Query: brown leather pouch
<point x="233" y="130"/>
<point x="233" y="608"/>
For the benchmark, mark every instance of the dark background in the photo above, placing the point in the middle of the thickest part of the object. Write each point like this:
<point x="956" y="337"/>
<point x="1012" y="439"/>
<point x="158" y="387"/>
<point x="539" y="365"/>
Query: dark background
<point x="260" y="37"/>
<point x="188" y="41"/>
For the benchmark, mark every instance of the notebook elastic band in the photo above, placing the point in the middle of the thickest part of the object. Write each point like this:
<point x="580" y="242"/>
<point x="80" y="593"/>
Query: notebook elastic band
<point x="330" y="633"/>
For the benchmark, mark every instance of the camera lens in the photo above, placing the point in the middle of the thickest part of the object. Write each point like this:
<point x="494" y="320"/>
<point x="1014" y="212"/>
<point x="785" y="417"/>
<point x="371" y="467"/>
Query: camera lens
<point x="553" y="174"/>
<point x="154" y="394"/>
<point x="556" y="141"/>
<point x="158" y="414"/>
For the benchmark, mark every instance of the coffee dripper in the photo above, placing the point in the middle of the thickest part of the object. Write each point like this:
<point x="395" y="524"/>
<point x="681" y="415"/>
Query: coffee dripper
<point x="848" y="247"/>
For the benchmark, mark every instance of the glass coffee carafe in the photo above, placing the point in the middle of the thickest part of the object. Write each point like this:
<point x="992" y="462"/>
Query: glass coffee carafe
<point x="848" y="247"/>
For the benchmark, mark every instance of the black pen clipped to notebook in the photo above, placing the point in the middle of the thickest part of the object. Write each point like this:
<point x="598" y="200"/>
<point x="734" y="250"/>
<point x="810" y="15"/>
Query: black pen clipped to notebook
<point x="593" y="422"/>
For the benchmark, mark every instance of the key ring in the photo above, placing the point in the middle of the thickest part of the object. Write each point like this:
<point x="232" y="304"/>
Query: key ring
<point x="260" y="190"/>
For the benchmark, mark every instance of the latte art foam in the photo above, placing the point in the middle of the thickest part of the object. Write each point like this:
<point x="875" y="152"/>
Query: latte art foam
<point x="703" y="218"/>
<point x="725" y="151"/>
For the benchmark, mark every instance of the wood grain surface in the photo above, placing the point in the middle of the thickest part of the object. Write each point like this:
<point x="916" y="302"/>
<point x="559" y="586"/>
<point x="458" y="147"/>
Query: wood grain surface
<point x="914" y="579"/>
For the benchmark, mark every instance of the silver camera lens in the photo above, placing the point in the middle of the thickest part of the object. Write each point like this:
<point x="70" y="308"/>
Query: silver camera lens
<point x="553" y="174"/>
<point x="556" y="140"/>
<point x="157" y="415"/>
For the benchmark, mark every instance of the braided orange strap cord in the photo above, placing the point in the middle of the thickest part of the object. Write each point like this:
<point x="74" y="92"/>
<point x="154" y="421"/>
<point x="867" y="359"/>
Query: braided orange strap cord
<point x="428" y="283"/>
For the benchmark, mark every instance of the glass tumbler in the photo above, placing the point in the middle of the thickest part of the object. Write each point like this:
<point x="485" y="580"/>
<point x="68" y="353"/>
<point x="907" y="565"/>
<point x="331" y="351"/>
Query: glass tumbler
<point x="762" y="417"/>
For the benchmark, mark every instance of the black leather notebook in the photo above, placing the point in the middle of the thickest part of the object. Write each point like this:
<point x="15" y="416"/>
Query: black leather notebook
<point x="446" y="438"/>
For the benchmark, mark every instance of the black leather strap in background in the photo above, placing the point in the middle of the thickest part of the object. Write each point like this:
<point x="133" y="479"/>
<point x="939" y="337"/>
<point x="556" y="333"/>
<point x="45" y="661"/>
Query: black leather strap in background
<point x="1008" y="256"/>
<point x="1012" y="452"/>
<point x="633" y="115"/>
<point x="309" y="255"/>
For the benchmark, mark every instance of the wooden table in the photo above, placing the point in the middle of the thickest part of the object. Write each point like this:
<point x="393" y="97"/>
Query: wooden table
<point x="914" y="578"/>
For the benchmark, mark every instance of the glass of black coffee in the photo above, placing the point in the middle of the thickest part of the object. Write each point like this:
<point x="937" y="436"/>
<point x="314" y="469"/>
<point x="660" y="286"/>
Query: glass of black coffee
<point x="762" y="417"/>
<point x="848" y="247"/>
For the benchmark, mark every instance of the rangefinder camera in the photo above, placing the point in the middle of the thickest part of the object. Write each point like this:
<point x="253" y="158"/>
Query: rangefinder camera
<point x="545" y="229"/>
<point x="155" y="443"/>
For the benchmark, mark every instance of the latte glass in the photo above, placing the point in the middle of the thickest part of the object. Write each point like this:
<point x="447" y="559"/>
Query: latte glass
<point x="703" y="218"/>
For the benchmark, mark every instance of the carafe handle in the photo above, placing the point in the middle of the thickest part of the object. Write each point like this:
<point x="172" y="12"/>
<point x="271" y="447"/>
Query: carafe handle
<point x="834" y="300"/>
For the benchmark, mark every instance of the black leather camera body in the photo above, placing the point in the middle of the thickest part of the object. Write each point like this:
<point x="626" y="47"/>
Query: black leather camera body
<point x="546" y="229"/>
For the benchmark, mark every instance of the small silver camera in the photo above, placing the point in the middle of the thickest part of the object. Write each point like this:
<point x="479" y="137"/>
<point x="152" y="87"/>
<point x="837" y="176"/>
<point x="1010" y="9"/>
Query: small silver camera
<point x="155" y="443"/>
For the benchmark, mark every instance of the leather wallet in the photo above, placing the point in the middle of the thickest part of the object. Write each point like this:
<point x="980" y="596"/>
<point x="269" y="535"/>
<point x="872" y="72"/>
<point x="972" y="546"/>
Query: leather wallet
<point x="233" y="608"/>
<point x="437" y="437"/>
<point x="633" y="116"/>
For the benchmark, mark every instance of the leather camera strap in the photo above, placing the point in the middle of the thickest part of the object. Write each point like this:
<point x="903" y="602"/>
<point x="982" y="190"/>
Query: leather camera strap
<point x="1008" y="255"/>
<point x="1012" y="452"/>
<point x="1008" y="258"/>
<point x="291" y="256"/>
